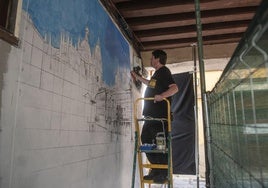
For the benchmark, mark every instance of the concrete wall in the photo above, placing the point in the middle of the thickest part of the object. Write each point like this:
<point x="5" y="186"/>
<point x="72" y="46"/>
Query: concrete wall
<point x="9" y="99"/>
<point x="55" y="131"/>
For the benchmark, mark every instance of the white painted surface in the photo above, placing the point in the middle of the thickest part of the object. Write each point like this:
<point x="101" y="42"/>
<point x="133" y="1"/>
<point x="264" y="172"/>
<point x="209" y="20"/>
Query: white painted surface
<point x="50" y="137"/>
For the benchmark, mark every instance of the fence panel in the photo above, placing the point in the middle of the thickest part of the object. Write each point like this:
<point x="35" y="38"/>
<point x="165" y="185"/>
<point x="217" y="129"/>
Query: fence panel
<point x="238" y="112"/>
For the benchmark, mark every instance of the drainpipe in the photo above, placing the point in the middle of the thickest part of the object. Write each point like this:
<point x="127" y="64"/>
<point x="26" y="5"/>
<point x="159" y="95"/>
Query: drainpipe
<point x="203" y="85"/>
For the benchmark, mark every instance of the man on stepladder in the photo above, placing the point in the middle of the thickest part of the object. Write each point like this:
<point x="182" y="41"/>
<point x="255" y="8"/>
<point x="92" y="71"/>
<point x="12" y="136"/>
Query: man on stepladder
<point x="160" y="86"/>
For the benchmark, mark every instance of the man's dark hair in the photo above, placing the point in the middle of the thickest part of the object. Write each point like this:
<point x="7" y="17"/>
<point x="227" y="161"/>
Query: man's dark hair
<point x="161" y="55"/>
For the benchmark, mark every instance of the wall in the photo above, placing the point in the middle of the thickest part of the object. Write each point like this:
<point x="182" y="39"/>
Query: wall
<point x="65" y="120"/>
<point x="9" y="95"/>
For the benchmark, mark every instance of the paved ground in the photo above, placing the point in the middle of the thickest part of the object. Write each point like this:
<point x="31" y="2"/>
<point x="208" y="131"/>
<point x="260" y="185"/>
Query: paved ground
<point x="184" y="181"/>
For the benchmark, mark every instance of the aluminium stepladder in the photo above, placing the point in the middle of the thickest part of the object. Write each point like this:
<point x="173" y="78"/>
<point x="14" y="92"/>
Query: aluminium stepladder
<point x="138" y="151"/>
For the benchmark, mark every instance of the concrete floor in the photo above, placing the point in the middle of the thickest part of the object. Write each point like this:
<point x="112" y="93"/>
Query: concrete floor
<point x="184" y="181"/>
<point x="187" y="181"/>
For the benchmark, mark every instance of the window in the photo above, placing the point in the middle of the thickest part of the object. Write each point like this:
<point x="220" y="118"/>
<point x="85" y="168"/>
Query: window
<point x="8" y="12"/>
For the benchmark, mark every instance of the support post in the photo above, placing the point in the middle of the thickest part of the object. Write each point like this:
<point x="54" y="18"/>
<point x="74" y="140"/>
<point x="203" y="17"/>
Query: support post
<point x="196" y="117"/>
<point x="202" y="84"/>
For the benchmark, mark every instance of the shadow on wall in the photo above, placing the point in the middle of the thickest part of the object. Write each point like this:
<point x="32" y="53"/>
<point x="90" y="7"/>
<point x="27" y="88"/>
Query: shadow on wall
<point x="5" y="51"/>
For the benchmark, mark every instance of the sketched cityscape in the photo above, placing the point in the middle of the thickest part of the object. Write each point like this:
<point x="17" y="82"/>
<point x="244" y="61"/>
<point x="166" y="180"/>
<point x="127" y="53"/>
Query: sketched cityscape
<point x="107" y="108"/>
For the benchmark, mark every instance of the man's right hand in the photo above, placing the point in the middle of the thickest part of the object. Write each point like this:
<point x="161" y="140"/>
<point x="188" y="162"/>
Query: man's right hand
<point x="133" y="75"/>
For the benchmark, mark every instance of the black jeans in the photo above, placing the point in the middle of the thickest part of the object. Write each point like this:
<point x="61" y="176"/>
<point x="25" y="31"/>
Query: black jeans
<point x="148" y="135"/>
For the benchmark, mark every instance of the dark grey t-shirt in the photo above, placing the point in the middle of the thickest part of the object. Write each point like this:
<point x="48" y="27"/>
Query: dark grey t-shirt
<point x="159" y="83"/>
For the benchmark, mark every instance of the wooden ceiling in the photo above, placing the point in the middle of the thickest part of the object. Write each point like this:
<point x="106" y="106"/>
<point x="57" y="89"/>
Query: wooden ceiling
<point x="171" y="24"/>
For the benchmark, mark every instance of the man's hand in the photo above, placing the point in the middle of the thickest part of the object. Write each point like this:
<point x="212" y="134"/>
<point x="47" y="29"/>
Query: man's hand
<point x="158" y="98"/>
<point x="173" y="88"/>
<point x="133" y="75"/>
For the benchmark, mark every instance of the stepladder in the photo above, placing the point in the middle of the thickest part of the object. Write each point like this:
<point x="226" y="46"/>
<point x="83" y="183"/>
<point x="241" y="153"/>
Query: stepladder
<point x="162" y="145"/>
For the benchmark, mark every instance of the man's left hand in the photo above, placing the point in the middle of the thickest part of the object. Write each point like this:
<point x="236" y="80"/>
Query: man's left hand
<point x="158" y="98"/>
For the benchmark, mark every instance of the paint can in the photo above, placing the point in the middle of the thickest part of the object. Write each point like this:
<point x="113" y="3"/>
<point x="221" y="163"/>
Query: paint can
<point x="161" y="141"/>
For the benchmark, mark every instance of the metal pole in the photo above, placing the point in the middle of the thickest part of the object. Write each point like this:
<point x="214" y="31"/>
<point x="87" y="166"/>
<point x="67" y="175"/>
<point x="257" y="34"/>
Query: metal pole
<point x="202" y="83"/>
<point x="196" y="117"/>
<point x="208" y="143"/>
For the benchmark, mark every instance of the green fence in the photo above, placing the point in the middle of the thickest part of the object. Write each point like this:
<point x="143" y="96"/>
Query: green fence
<point x="238" y="113"/>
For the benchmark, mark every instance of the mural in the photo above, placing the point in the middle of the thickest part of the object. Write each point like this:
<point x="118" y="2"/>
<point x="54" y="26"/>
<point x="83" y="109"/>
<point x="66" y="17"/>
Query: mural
<point x="54" y="17"/>
<point x="90" y="51"/>
<point x="66" y="102"/>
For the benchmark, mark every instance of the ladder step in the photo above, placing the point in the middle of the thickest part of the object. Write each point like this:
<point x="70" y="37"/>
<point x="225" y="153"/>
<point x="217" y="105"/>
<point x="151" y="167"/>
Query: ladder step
<point x="152" y="119"/>
<point x="161" y="166"/>
<point x="152" y="182"/>
<point x="154" y="151"/>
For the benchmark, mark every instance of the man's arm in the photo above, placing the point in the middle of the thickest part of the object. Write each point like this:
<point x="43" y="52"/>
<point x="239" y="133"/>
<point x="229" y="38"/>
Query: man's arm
<point x="173" y="88"/>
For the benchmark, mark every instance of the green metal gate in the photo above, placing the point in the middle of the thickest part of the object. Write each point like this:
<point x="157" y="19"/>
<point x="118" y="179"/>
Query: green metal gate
<point x="237" y="111"/>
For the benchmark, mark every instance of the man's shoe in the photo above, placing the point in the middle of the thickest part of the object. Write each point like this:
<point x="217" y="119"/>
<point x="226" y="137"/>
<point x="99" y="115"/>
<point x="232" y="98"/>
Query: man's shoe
<point x="151" y="175"/>
<point x="160" y="178"/>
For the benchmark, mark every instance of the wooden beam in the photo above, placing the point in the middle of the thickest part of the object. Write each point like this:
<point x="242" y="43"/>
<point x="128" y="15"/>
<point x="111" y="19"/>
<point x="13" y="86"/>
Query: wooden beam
<point x="183" y="54"/>
<point x="184" y="31"/>
<point x="178" y="43"/>
<point x="162" y="7"/>
<point x="190" y="15"/>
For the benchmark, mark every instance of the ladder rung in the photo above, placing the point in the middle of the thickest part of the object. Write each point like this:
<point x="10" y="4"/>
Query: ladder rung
<point x="162" y="166"/>
<point x="152" y="182"/>
<point x="154" y="151"/>
<point x="152" y="119"/>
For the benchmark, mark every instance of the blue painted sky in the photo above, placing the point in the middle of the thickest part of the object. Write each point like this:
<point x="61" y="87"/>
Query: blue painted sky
<point x="73" y="16"/>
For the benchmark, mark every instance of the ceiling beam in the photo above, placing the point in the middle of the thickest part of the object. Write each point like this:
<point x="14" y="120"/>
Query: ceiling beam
<point x="178" y="43"/>
<point x="190" y="31"/>
<point x="183" y="19"/>
<point x="183" y="54"/>
<point x="161" y="7"/>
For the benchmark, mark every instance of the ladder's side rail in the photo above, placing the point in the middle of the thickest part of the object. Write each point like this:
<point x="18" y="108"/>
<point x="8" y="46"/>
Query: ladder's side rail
<point x="170" y="165"/>
<point x="138" y="140"/>
<point x="151" y="98"/>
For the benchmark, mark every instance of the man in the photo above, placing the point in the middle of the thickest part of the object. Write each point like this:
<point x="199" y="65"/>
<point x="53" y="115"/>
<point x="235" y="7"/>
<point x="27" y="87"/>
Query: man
<point x="160" y="86"/>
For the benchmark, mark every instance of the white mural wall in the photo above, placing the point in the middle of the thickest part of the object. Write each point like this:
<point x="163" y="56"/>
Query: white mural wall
<point x="64" y="121"/>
